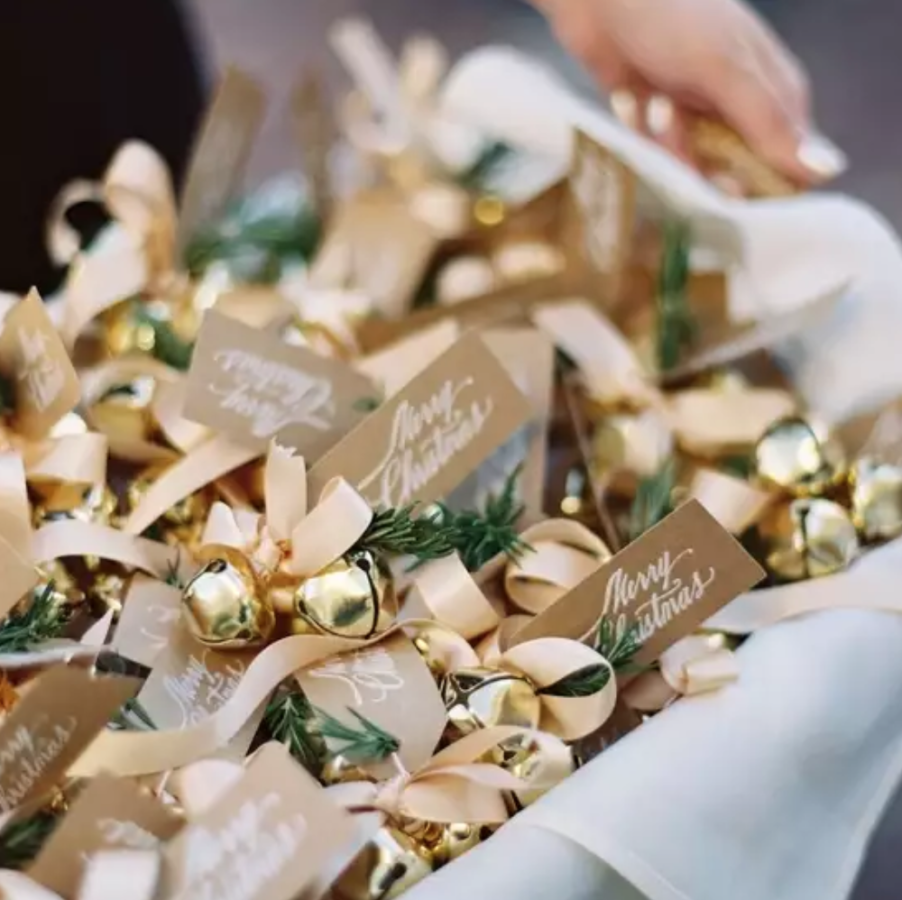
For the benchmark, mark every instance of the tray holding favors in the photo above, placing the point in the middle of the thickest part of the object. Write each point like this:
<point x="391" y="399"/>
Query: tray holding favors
<point x="494" y="527"/>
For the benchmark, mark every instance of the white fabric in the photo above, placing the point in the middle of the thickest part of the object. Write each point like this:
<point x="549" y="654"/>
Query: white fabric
<point x="769" y="789"/>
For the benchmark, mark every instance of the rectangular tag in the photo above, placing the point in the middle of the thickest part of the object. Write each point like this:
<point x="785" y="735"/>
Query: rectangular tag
<point x="253" y="387"/>
<point x="316" y="134"/>
<point x="267" y="838"/>
<point x="603" y="196"/>
<point x="33" y="358"/>
<point x="665" y="584"/>
<point x="420" y="444"/>
<point x="389" y="684"/>
<point x="110" y="814"/>
<point x="528" y="358"/>
<point x="51" y="726"/>
<point x="375" y="244"/>
<point x="150" y="616"/>
<point x="221" y="151"/>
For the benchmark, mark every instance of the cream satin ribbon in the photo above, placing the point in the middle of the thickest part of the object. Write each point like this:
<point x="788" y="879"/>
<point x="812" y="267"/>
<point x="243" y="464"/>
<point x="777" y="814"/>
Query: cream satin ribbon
<point x="108" y="875"/>
<point x="454" y="786"/>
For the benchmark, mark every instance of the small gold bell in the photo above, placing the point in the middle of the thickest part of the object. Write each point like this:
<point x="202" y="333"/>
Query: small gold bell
<point x="482" y="698"/>
<point x="224" y="605"/>
<point x="390" y="864"/>
<point x="876" y="499"/>
<point x="354" y="597"/>
<point x="107" y="591"/>
<point x="339" y="770"/>
<point x="447" y="842"/>
<point x="796" y="457"/>
<point x="124" y="411"/>
<point x="181" y="524"/>
<point x="808" y="538"/>
<point x="522" y="757"/>
<point x="129" y="327"/>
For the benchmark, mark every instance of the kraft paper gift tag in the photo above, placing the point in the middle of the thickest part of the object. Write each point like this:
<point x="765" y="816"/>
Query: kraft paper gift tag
<point x="316" y="132"/>
<point x="663" y="585"/>
<point x="34" y="359"/>
<point x="50" y="727"/>
<point x="253" y="387"/>
<point x="389" y="684"/>
<point x="110" y="814"/>
<point x="422" y="442"/>
<point x="528" y="357"/>
<point x="19" y="576"/>
<point x="272" y="834"/>
<point x="221" y="152"/>
<point x="150" y="617"/>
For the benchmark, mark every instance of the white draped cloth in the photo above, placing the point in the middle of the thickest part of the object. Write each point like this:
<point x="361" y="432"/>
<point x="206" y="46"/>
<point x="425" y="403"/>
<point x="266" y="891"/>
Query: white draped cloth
<point x="770" y="788"/>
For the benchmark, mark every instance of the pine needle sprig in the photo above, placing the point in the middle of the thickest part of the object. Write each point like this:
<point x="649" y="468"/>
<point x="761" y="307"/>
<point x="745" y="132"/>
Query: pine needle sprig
<point x="653" y="500"/>
<point x="676" y="323"/>
<point x="21" y="842"/>
<point x="168" y="347"/>
<point x="42" y="620"/>
<point x="132" y="716"/>
<point x="369" y="743"/>
<point x="481" y="536"/>
<point x="289" y="719"/>
<point x="617" y="649"/>
<point x="397" y="532"/>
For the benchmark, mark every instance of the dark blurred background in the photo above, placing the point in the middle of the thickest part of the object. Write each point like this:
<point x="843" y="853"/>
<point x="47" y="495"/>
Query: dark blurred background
<point x="851" y="48"/>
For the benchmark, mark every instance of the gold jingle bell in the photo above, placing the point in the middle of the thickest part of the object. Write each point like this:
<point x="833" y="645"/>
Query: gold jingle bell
<point x="131" y="326"/>
<point x="354" y="597"/>
<point x="876" y="491"/>
<point x="522" y="757"/>
<point x="106" y="591"/>
<point x="224" y="605"/>
<point x="390" y="864"/>
<point x="97" y="504"/>
<point x="340" y="770"/>
<point x="808" y="538"/>
<point x="124" y="411"/>
<point x="447" y="841"/>
<point x="482" y="698"/>
<point x="183" y="522"/>
<point x="796" y="457"/>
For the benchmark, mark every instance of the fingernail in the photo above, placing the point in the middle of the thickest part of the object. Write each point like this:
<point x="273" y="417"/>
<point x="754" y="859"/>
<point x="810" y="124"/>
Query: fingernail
<point x="821" y="156"/>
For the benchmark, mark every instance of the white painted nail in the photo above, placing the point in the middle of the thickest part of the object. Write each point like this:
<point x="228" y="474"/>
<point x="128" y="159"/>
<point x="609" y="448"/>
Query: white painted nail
<point x="821" y="156"/>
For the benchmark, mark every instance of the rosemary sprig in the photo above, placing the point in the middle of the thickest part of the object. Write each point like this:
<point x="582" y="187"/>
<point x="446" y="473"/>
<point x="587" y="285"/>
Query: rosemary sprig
<point x="676" y="324"/>
<point x="618" y="650"/>
<point x="289" y="720"/>
<point x="132" y="716"/>
<point x="21" y="842"/>
<point x="396" y="532"/>
<point x="369" y="743"/>
<point x="653" y="500"/>
<point x="168" y="347"/>
<point x="480" y="536"/>
<point x="41" y="621"/>
<point x="266" y="241"/>
<point x="493" y="155"/>
<point x="173" y="577"/>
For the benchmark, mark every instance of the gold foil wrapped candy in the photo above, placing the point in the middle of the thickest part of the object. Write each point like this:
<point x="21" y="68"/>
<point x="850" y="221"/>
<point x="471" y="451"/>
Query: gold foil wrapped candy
<point x="390" y="864"/>
<point x="876" y="495"/>
<point x="522" y="757"/>
<point x="447" y="842"/>
<point x="181" y="524"/>
<point x="96" y="504"/>
<point x="482" y="698"/>
<point x="808" y="538"/>
<point x="131" y="326"/>
<point x="796" y="457"/>
<point x="354" y="597"/>
<point x="224" y="605"/>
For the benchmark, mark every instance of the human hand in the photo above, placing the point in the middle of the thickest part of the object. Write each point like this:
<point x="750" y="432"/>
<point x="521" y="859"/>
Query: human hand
<point x="666" y="60"/>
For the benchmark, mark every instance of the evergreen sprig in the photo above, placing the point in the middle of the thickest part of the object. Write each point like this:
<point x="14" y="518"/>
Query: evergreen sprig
<point x="21" y="842"/>
<point x="676" y="324"/>
<point x="132" y="716"/>
<point x="368" y="743"/>
<point x="168" y="347"/>
<point x="481" y="536"/>
<point x="653" y="500"/>
<point x="397" y="532"/>
<point x="43" y="619"/>
<point x="270" y="240"/>
<point x="618" y="650"/>
<point x="289" y="719"/>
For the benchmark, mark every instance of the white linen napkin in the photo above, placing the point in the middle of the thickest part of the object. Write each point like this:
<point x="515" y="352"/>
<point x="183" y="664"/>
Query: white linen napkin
<point x="770" y="788"/>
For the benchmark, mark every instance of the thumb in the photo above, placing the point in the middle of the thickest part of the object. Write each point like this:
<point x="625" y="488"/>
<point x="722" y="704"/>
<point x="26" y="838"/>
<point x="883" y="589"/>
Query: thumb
<point x="779" y="132"/>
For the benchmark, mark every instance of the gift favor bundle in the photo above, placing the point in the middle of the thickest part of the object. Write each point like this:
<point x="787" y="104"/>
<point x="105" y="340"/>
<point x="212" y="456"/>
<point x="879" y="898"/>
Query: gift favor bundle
<point x="344" y="523"/>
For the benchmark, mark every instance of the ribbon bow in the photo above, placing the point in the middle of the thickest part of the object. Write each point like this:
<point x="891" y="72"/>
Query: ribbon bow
<point x="455" y="785"/>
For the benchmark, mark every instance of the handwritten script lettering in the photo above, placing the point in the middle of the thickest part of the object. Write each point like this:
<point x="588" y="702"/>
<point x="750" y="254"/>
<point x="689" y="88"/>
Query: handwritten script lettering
<point x="597" y="189"/>
<point x="425" y="438"/>
<point x="247" y="852"/>
<point x="43" y="378"/>
<point x="158" y="631"/>
<point x="655" y="595"/>
<point x="371" y="671"/>
<point x="198" y="691"/>
<point x="270" y="395"/>
<point x="28" y="754"/>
